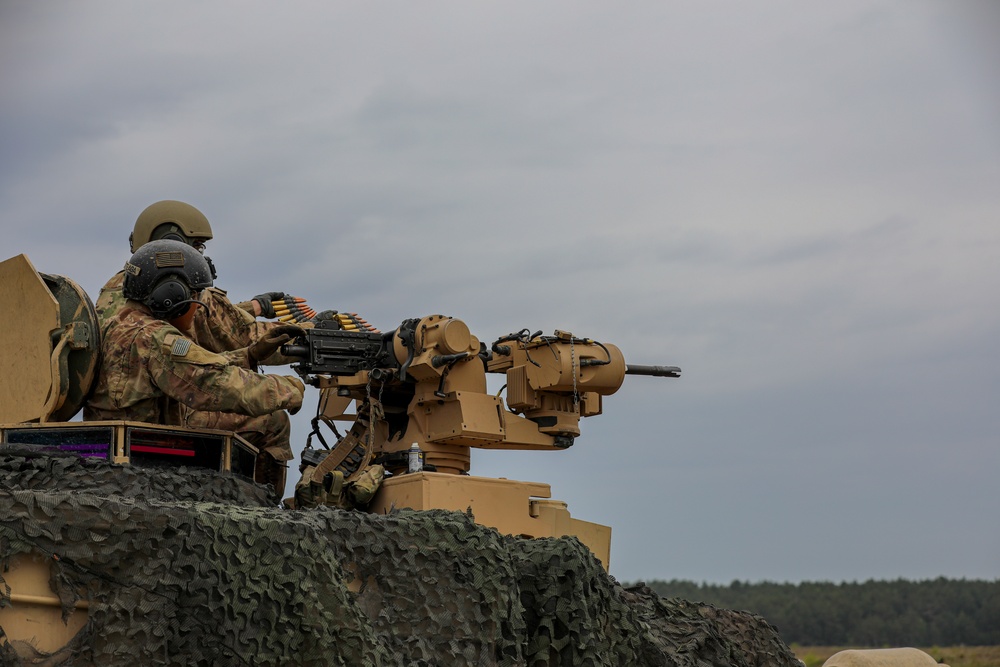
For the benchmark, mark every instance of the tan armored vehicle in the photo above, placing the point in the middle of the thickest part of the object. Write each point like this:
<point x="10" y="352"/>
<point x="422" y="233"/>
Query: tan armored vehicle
<point x="48" y="364"/>
<point x="131" y="543"/>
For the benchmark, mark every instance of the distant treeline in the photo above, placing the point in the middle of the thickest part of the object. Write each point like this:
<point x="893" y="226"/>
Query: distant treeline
<point x="939" y="612"/>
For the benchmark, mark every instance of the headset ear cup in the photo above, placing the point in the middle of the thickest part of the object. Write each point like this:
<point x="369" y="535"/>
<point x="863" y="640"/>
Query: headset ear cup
<point x="166" y="295"/>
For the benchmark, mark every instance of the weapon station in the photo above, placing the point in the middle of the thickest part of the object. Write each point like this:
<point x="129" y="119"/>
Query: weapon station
<point x="413" y="399"/>
<point x="420" y="404"/>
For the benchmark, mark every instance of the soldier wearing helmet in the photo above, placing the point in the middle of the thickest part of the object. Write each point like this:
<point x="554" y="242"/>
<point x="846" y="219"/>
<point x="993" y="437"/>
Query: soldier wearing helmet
<point x="151" y="371"/>
<point x="221" y="325"/>
<point x="218" y="326"/>
<point x="174" y="220"/>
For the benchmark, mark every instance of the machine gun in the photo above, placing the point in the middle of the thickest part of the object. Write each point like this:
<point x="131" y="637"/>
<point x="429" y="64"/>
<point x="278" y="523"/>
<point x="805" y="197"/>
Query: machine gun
<point x="423" y="386"/>
<point x="421" y="405"/>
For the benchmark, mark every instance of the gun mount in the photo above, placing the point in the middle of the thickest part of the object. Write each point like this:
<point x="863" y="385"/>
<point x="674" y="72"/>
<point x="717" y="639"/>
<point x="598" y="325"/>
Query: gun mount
<point x="425" y="384"/>
<point x="421" y="404"/>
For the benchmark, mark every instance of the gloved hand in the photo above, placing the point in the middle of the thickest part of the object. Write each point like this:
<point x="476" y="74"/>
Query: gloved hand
<point x="325" y="316"/>
<point x="266" y="303"/>
<point x="272" y="341"/>
<point x="285" y="307"/>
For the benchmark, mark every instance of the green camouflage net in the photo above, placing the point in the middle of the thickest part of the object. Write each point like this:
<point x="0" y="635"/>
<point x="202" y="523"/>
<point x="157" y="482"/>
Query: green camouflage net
<point x="34" y="470"/>
<point x="230" y="580"/>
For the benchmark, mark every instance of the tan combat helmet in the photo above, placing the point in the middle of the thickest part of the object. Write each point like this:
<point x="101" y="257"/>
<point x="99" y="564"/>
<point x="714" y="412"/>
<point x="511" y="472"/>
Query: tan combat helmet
<point x="172" y="220"/>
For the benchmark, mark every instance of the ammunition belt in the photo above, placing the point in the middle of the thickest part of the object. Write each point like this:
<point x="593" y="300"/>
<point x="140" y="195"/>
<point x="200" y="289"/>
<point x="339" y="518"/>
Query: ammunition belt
<point x="351" y="455"/>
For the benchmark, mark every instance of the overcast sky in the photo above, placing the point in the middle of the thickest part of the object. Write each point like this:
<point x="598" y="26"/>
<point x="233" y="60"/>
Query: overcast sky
<point x="796" y="202"/>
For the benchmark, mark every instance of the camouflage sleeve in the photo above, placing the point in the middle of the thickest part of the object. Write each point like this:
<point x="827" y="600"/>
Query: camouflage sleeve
<point x="240" y="357"/>
<point x="203" y="380"/>
<point x="111" y="299"/>
<point x="247" y="306"/>
<point x="221" y="326"/>
<point x="226" y="327"/>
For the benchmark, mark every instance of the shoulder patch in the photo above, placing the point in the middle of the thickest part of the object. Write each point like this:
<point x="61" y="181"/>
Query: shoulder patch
<point x="180" y="347"/>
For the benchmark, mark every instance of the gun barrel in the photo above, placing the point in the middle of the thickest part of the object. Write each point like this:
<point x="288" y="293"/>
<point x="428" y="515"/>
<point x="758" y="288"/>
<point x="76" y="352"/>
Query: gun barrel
<point x="295" y="350"/>
<point x="658" y="371"/>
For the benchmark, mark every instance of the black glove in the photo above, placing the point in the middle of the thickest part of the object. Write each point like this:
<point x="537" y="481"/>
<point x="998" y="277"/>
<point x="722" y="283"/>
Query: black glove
<point x="272" y="341"/>
<point x="326" y="316"/>
<point x="285" y="307"/>
<point x="266" y="307"/>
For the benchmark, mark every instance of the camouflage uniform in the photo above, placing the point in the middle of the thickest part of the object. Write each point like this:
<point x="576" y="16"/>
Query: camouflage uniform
<point x="152" y="372"/>
<point x="221" y="327"/>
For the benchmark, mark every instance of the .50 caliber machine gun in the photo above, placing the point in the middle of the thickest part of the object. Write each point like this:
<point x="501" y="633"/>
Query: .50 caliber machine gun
<point x="421" y="403"/>
<point x="428" y="379"/>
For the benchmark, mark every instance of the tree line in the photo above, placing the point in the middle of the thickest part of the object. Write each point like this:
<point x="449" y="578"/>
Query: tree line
<point x="937" y="612"/>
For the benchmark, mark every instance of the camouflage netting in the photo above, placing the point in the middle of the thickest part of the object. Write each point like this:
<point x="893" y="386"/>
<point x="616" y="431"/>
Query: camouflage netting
<point x="216" y="577"/>
<point x="32" y="470"/>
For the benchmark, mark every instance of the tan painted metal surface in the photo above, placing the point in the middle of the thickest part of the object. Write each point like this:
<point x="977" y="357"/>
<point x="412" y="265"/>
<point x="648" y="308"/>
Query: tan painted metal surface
<point x="35" y="612"/>
<point x="552" y="382"/>
<point x="26" y="381"/>
<point x="510" y="506"/>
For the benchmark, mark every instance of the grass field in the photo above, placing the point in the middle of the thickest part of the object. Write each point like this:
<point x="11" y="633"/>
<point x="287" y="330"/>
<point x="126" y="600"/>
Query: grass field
<point x="954" y="656"/>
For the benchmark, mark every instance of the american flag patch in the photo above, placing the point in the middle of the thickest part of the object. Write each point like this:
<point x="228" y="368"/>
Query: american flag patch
<point x="180" y="347"/>
<point x="169" y="258"/>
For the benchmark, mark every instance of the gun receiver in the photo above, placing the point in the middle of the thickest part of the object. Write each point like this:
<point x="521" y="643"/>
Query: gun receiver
<point x="425" y="384"/>
<point x="328" y="351"/>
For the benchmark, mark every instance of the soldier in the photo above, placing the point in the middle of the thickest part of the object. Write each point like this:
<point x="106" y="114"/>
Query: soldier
<point x="152" y="372"/>
<point x="218" y="326"/>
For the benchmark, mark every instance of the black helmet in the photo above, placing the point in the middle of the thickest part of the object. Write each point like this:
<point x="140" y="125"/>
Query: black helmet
<point x="164" y="275"/>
